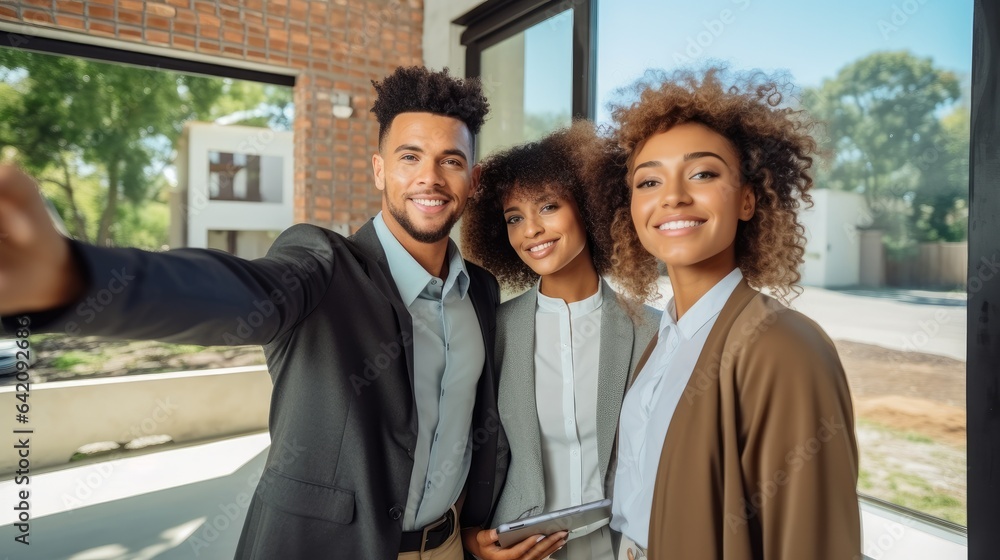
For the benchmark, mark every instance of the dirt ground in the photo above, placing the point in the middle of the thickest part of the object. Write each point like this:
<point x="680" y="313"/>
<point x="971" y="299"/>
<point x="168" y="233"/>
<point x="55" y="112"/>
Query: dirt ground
<point x="62" y="358"/>
<point x="910" y="411"/>
<point x="907" y="391"/>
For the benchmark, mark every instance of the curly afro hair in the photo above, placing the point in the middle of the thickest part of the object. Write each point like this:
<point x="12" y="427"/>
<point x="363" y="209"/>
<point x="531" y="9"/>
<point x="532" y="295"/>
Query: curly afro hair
<point x="774" y="147"/>
<point x="574" y="163"/>
<point x="415" y="89"/>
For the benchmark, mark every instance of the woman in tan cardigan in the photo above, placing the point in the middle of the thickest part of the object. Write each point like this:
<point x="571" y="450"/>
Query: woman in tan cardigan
<point x="736" y="439"/>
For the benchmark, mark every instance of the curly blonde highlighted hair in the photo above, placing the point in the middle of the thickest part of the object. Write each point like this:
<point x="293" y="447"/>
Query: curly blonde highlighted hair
<point x="774" y="148"/>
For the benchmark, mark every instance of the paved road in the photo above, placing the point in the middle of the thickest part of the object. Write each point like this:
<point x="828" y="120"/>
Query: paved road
<point x="908" y="320"/>
<point x="185" y="503"/>
<point x="901" y="320"/>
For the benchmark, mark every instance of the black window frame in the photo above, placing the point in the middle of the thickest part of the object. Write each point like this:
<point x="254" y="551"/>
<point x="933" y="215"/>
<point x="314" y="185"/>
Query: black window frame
<point x="47" y="45"/>
<point x="983" y="342"/>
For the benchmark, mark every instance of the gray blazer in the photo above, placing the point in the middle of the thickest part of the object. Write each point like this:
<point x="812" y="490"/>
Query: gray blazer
<point x="622" y="344"/>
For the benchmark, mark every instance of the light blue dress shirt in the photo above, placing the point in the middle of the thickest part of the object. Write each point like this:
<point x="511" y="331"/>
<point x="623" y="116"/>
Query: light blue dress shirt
<point x="650" y="403"/>
<point x="448" y="358"/>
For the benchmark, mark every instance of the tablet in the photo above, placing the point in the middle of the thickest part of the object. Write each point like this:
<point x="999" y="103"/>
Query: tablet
<point x="578" y="520"/>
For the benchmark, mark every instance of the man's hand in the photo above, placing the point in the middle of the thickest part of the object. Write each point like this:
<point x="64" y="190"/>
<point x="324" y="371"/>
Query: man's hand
<point x="37" y="269"/>
<point x="483" y="544"/>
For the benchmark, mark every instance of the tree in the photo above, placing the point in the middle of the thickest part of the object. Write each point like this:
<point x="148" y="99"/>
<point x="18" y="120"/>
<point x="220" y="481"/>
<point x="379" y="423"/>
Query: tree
<point x="941" y="204"/>
<point x="881" y="121"/>
<point x="254" y="104"/>
<point x="67" y="113"/>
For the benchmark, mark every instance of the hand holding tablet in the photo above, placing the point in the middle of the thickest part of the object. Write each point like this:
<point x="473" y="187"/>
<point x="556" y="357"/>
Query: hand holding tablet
<point x="577" y="521"/>
<point x="483" y="544"/>
<point x="538" y="537"/>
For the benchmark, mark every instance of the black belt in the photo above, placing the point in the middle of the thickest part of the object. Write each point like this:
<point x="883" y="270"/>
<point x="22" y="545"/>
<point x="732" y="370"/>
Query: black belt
<point x="429" y="537"/>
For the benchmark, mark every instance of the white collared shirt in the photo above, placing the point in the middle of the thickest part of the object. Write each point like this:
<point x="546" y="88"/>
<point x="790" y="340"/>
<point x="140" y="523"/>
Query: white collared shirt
<point x="448" y="358"/>
<point x="650" y="404"/>
<point x="567" y="354"/>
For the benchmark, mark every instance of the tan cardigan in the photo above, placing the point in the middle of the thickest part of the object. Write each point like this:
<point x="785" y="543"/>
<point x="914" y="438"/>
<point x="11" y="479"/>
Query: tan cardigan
<point x="760" y="460"/>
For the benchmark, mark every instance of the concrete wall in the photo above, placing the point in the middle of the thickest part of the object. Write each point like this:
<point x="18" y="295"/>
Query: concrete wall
<point x="845" y="211"/>
<point x="814" y="219"/>
<point x="833" y="246"/>
<point x="872" y="271"/>
<point x="441" y="43"/>
<point x="187" y="406"/>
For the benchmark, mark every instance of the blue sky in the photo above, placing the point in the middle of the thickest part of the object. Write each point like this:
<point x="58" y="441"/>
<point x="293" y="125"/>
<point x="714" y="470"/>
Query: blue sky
<point x="811" y="39"/>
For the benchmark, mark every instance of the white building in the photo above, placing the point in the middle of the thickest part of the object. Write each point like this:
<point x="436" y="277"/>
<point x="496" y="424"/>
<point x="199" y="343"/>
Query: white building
<point x="235" y="188"/>
<point x="833" y="247"/>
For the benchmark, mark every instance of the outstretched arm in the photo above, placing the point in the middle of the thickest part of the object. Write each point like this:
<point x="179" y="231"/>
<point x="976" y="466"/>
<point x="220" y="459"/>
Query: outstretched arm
<point x="187" y="295"/>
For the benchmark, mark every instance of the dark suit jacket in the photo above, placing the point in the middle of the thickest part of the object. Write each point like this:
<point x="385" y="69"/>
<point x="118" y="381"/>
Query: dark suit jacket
<point x="338" y="342"/>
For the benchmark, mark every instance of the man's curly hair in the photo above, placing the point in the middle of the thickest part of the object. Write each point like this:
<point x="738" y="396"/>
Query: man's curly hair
<point x="416" y="89"/>
<point x="574" y="163"/>
<point x="774" y="148"/>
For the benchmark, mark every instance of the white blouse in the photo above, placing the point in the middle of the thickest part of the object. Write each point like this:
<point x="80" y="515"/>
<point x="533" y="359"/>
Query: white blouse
<point x="567" y="353"/>
<point x="649" y="406"/>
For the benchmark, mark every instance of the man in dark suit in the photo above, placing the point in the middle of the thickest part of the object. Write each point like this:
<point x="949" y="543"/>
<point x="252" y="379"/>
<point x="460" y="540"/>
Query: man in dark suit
<point x="379" y="345"/>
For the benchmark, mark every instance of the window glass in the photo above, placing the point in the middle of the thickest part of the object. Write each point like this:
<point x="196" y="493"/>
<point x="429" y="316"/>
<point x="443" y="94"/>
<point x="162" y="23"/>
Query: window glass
<point x="528" y="79"/>
<point x="107" y="143"/>
<point x="886" y="261"/>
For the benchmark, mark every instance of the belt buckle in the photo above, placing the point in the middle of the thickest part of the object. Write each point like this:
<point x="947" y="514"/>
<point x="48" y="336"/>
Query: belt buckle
<point x="433" y="526"/>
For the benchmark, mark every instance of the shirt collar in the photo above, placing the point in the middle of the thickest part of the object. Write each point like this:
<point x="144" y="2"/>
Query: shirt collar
<point x="707" y="307"/>
<point x="576" y="309"/>
<point x="411" y="278"/>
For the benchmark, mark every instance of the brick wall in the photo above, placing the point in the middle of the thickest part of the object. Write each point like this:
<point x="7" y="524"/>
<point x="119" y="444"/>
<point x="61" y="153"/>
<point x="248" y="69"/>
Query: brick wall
<point x="335" y="45"/>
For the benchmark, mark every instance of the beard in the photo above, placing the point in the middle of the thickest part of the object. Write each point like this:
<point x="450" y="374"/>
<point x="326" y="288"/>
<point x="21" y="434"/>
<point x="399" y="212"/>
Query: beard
<point x="433" y="236"/>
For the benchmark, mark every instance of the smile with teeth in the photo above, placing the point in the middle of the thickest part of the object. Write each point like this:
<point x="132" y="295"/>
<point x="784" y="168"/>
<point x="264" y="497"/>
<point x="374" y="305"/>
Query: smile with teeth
<point x="541" y="247"/>
<point x="680" y="224"/>
<point x="428" y="202"/>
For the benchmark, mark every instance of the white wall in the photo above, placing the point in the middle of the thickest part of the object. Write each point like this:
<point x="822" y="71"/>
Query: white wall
<point x="814" y="219"/>
<point x="846" y="212"/>
<point x="833" y="247"/>
<point x="249" y="244"/>
<point x="271" y="182"/>
<point x="442" y="46"/>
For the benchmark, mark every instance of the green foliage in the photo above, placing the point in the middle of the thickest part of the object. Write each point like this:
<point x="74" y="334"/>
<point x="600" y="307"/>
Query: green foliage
<point x="538" y="125"/>
<point x="70" y="359"/>
<point x="914" y="492"/>
<point x="941" y="204"/>
<point x="98" y="135"/>
<point x="253" y="104"/>
<point x="884" y="138"/>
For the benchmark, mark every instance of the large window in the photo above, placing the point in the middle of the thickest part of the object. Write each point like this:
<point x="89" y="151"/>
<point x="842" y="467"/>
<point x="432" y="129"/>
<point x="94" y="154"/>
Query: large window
<point x="886" y="262"/>
<point x="110" y="144"/>
<point x="529" y="79"/>
<point x="534" y="58"/>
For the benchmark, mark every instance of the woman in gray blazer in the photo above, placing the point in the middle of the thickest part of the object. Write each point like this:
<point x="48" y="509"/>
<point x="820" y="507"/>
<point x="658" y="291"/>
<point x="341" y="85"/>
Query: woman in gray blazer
<point x="541" y="220"/>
